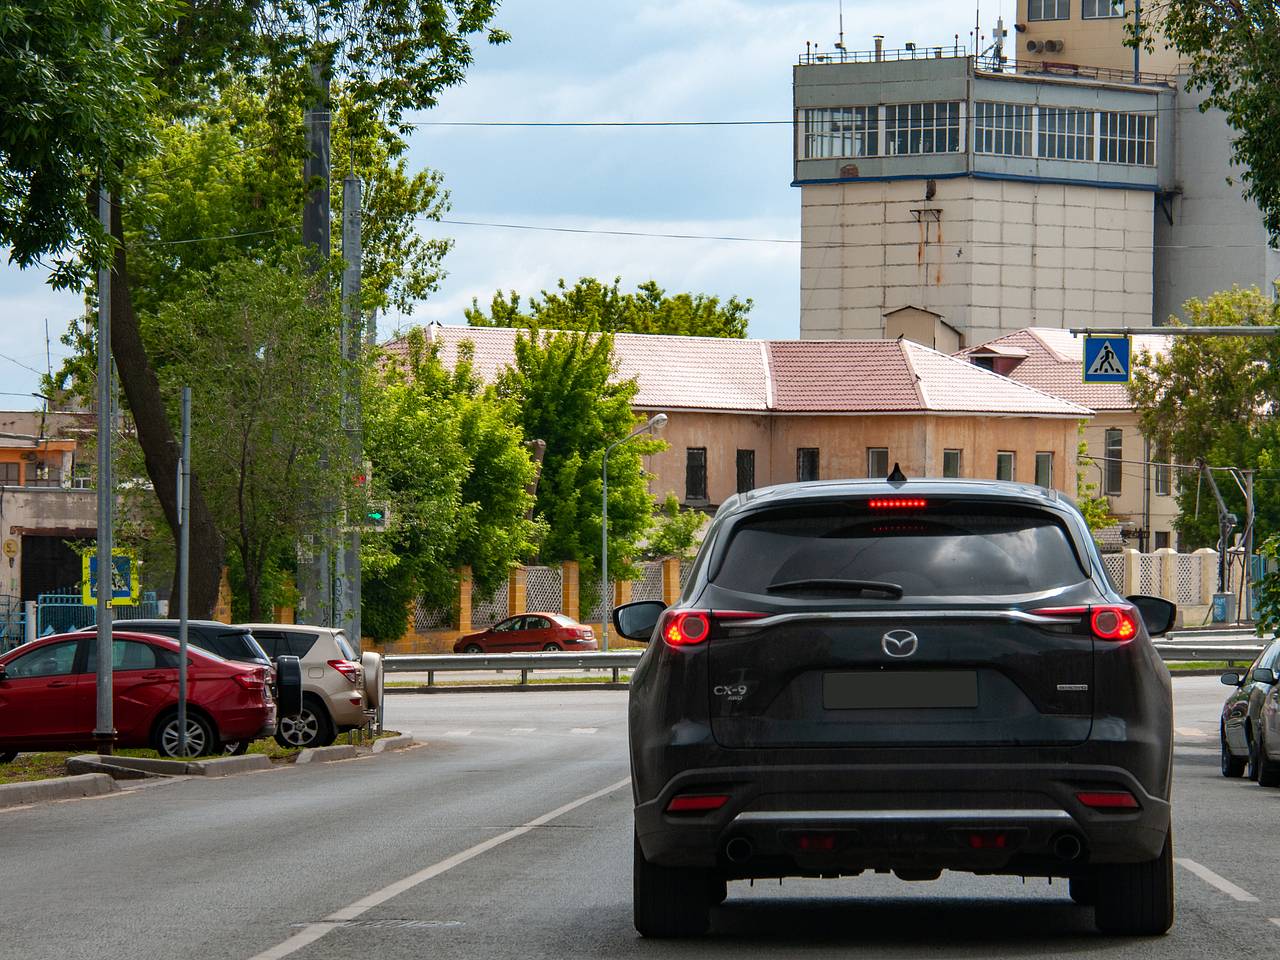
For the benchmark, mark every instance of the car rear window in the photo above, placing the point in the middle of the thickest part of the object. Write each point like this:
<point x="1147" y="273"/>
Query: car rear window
<point x="239" y="645"/>
<point x="948" y="550"/>
<point x="345" y="647"/>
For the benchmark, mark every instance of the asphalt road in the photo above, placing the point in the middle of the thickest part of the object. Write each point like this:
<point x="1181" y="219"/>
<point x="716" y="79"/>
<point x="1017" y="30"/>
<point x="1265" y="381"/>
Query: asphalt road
<point x="508" y="835"/>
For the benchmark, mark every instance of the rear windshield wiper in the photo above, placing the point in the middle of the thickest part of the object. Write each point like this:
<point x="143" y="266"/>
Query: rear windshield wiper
<point x="843" y="586"/>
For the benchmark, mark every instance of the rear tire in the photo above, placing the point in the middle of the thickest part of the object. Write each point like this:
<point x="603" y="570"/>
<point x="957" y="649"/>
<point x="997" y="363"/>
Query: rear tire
<point x="236" y="748"/>
<point x="200" y="737"/>
<point x="550" y="648"/>
<point x="1268" y="769"/>
<point x="1083" y="890"/>
<point x="1136" y="899"/>
<point x="473" y="648"/>
<point x="1251" y="771"/>
<point x="1231" y="766"/>
<point x="310" y="728"/>
<point x="669" y="901"/>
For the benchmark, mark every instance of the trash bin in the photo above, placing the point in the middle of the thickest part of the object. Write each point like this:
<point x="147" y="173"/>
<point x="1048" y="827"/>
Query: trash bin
<point x="1224" y="608"/>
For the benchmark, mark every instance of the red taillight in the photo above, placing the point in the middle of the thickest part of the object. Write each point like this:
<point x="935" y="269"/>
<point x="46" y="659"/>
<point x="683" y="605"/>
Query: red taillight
<point x="348" y="668"/>
<point x="252" y="681"/>
<point x="697" y="802"/>
<point x="1110" y="622"/>
<point x="1108" y="799"/>
<point x="686" y="628"/>
<point x="897" y="503"/>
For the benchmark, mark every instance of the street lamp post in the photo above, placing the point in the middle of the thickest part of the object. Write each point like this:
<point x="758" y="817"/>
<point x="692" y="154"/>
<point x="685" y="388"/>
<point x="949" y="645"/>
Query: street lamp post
<point x="656" y="422"/>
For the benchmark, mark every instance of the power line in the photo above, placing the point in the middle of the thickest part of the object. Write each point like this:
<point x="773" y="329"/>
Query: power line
<point x="613" y="233"/>
<point x="24" y="366"/>
<point x="600" y="123"/>
<point x="225" y="236"/>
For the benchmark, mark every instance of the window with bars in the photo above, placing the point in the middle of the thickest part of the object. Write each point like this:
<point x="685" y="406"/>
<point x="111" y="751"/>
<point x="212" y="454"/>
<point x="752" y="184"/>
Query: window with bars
<point x="914" y="128"/>
<point x="1044" y="468"/>
<point x="9" y="473"/>
<point x="806" y="463"/>
<point x="1065" y="134"/>
<point x="951" y="463"/>
<point x="1127" y="138"/>
<point x="1003" y="129"/>
<point x="1101" y="9"/>
<point x="746" y="470"/>
<point x="842" y="132"/>
<point x="1048" y="9"/>
<point x="1162" y="539"/>
<point x="695" y="474"/>
<point x="1004" y="465"/>
<point x="1112" y="474"/>
<point x="878" y="462"/>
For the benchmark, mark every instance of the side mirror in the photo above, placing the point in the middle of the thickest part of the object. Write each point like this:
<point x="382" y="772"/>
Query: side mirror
<point x="1157" y="613"/>
<point x="1264" y="675"/>
<point x="1230" y="679"/>
<point x="636" y="621"/>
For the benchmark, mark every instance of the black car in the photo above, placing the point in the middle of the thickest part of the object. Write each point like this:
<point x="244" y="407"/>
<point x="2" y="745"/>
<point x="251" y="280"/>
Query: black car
<point x="1238" y="731"/>
<point x="900" y="676"/>
<point x="228" y="642"/>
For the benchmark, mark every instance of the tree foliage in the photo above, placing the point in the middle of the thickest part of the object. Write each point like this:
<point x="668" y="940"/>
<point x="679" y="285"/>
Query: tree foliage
<point x="449" y="454"/>
<point x="1214" y="399"/>
<point x="1234" y="51"/>
<point x="675" y="532"/>
<point x="594" y="306"/>
<point x="1096" y="509"/>
<point x="563" y="386"/>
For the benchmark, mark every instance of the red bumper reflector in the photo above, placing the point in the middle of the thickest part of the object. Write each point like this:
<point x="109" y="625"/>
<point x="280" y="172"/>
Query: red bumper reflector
<point x="988" y="840"/>
<point x="816" y="842"/>
<point x="1108" y="799"/>
<point x="697" y="802"/>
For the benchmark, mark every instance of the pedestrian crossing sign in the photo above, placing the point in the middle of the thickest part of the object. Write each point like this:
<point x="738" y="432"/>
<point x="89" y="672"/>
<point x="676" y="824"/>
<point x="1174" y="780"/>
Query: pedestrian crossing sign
<point x="1106" y="359"/>
<point x="125" y="586"/>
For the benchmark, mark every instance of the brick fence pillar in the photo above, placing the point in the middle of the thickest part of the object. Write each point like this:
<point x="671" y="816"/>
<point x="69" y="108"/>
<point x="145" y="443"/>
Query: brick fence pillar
<point x="670" y="581"/>
<point x="621" y="593"/>
<point x="464" y="599"/>
<point x="570" y="600"/>
<point x="517" y="591"/>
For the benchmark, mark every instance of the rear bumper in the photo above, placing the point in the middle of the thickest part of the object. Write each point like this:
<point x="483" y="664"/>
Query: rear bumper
<point x="345" y="713"/>
<point x="246" y="724"/>
<point x="1012" y="819"/>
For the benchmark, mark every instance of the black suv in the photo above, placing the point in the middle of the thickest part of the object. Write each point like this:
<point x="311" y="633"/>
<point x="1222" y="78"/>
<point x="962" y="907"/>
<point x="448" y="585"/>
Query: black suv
<point x="900" y="676"/>
<point x="228" y="642"/>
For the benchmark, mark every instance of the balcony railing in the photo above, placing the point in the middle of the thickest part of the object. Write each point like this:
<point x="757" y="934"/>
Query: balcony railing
<point x="874" y="56"/>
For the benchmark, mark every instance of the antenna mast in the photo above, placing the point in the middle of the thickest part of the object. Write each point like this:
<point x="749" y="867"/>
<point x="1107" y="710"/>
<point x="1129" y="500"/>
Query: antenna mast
<point x="840" y="42"/>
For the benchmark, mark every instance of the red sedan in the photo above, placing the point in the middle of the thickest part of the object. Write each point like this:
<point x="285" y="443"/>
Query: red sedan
<point x="529" y="631"/>
<point x="48" y="696"/>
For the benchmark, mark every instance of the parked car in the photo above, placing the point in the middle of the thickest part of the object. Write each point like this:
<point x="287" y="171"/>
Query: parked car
<point x="340" y="688"/>
<point x="48" y="696"/>
<point x="913" y="676"/>
<point x="1239" y="729"/>
<point x="1268" y="751"/>
<point x="227" y="641"/>
<point x="530" y="631"/>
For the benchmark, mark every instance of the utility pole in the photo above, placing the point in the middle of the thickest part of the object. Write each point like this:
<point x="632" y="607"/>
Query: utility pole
<point x="348" y="580"/>
<point x="104" y="732"/>
<point x="317" y="572"/>
<point x="1247" y="613"/>
<point x="184" y="565"/>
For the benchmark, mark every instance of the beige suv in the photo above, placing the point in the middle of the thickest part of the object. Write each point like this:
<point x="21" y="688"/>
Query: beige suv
<point x="341" y="689"/>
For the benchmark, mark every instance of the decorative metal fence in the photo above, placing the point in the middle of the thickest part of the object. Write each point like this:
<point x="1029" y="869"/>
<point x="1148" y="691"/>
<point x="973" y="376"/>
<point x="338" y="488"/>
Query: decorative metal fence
<point x="62" y="611"/>
<point x="13" y="622"/>
<point x="543" y="589"/>
<point x="1113" y="564"/>
<point x="485" y="612"/>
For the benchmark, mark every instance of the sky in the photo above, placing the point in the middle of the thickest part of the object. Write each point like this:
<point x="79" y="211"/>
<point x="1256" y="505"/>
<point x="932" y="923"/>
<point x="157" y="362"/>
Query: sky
<point x="579" y="60"/>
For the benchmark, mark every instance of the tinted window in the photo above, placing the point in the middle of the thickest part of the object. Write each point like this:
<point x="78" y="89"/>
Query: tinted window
<point x="133" y="655"/>
<point x="54" y="660"/>
<point x="237" y="646"/>
<point x="273" y="643"/>
<point x="537" y="623"/>
<point x="300" y="644"/>
<point x="966" y="550"/>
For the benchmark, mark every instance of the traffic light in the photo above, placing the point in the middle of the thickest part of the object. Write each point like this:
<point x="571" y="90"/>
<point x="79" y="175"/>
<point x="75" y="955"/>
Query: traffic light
<point x="377" y="515"/>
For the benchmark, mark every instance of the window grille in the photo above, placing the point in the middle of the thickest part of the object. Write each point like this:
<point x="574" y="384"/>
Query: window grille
<point x="915" y="128"/>
<point x="1065" y="134"/>
<point x="842" y="132"/>
<point x="1127" y="138"/>
<point x="1003" y="129"/>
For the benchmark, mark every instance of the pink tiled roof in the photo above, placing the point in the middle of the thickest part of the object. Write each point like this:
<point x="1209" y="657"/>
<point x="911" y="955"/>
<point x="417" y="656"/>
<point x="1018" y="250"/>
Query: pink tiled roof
<point x="785" y="376"/>
<point x="1053" y="364"/>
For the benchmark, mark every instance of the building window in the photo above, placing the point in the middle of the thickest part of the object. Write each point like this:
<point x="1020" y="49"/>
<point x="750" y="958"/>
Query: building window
<point x="1004" y="465"/>
<point x="806" y="463"/>
<point x="1101" y="9"/>
<point x="1003" y="129"/>
<point x="951" y="463"/>
<point x="1044" y="468"/>
<point x="1162" y="539"/>
<point x="44" y="473"/>
<point x="842" y="132"/>
<point x="1111" y="463"/>
<point x="695" y="474"/>
<point x="1127" y="138"/>
<point x="1065" y="134"/>
<point x="878" y="462"/>
<point x="911" y="128"/>
<point x="746" y="470"/>
<point x="1048" y="9"/>
<point x="9" y="474"/>
<point x="1163" y="472"/>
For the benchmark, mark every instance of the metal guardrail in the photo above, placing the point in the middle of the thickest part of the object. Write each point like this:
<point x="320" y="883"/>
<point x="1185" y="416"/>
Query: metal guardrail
<point x="618" y="660"/>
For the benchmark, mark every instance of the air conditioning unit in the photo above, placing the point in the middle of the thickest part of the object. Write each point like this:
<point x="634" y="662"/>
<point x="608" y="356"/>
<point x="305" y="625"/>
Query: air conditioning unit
<point x="30" y="457"/>
<point x="1054" y="46"/>
<point x="1035" y="46"/>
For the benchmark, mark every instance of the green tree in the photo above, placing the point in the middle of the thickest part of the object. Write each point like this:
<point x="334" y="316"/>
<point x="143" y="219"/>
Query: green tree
<point x="564" y="389"/>
<point x="1096" y="509"/>
<point x="675" y="532"/>
<point x="449" y="454"/>
<point x="1213" y="399"/>
<point x="1233" y="47"/>
<point x="599" y="308"/>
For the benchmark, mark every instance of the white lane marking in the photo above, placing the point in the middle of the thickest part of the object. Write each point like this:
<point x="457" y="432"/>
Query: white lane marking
<point x="1211" y="878"/>
<point x="457" y="733"/>
<point x="523" y="729"/>
<point x="584" y="730"/>
<point x="1276" y="921"/>
<point x="313" y="932"/>
<point x="1192" y="732"/>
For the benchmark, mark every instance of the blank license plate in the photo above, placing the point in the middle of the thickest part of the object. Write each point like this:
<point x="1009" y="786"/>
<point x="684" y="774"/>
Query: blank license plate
<point x="900" y="689"/>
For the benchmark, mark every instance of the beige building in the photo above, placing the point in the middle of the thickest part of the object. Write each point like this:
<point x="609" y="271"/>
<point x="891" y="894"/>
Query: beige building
<point x="1136" y="478"/>
<point x="751" y="413"/>
<point x="1078" y="33"/>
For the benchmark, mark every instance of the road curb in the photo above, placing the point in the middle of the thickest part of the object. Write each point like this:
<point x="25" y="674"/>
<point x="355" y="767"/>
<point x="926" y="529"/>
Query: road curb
<point x="155" y="767"/>
<point x="94" y="763"/>
<point x="327" y="754"/>
<point x="229" y="766"/>
<point x="61" y="788"/>
<point x="402" y="742"/>
<point x="508" y="687"/>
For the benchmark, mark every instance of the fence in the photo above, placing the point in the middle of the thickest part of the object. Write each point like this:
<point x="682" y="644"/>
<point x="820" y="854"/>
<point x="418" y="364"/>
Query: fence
<point x="13" y="621"/>
<point x="62" y="611"/>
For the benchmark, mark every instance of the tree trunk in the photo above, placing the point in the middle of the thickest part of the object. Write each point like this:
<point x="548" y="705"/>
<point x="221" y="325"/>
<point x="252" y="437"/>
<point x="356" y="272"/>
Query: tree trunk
<point x="160" y="449"/>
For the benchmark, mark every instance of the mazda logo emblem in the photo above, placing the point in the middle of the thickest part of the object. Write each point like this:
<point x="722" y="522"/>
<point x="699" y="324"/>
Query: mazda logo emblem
<point x="899" y="643"/>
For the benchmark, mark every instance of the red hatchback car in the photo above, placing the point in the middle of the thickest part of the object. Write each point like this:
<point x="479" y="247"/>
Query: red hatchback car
<point x="530" y="631"/>
<point x="48" y="696"/>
